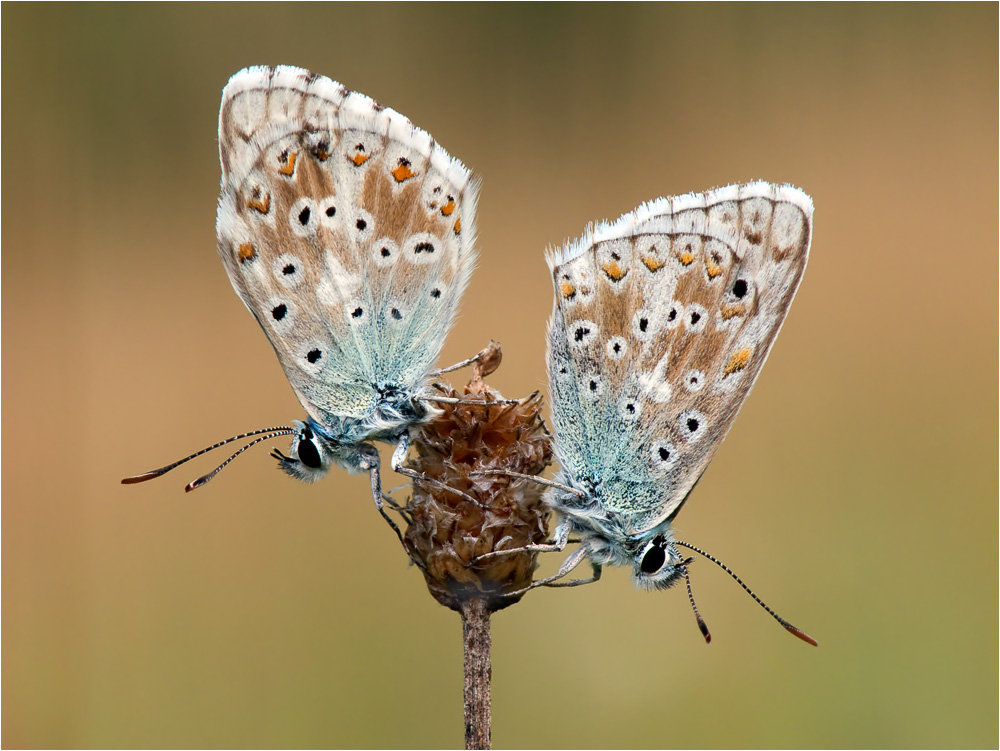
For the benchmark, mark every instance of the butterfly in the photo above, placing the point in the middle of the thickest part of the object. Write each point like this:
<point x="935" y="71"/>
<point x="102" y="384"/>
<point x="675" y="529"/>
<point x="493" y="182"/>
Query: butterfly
<point x="349" y="234"/>
<point x="661" y="323"/>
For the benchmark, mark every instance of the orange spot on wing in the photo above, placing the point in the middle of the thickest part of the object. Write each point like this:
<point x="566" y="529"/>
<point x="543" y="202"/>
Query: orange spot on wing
<point x="737" y="362"/>
<point x="458" y="226"/>
<point x="448" y="207"/>
<point x="731" y="311"/>
<point x="615" y="272"/>
<point x="653" y="264"/>
<point x="567" y="289"/>
<point x="288" y="168"/>
<point x="712" y="269"/>
<point x="403" y="171"/>
<point x="358" y="159"/>
<point x="246" y="252"/>
<point x="687" y="258"/>
<point x="256" y="202"/>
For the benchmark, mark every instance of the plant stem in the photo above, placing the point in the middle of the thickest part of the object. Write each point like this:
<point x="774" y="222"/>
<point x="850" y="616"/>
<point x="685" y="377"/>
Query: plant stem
<point x="478" y="672"/>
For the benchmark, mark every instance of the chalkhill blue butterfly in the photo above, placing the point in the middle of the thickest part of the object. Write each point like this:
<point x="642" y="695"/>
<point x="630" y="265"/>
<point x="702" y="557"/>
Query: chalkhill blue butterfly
<point x="349" y="235"/>
<point x="661" y="323"/>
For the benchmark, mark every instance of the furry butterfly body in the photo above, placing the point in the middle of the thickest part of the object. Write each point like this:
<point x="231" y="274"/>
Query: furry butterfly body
<point x="661" y="323"/>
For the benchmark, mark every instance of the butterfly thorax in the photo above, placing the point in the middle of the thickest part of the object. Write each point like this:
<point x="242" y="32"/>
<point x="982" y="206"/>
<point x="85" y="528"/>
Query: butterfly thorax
<point x="621" y="510"/>
<point x="609" y="535"/>
<point x="393" y="410"/>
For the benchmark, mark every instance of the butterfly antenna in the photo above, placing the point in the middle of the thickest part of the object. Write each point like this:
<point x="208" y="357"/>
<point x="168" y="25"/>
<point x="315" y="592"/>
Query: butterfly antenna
<point x="282" y="430"/>
<point x="701" y="621"/>
<point x="788" y="626"/>
<point x="195" y="484"/>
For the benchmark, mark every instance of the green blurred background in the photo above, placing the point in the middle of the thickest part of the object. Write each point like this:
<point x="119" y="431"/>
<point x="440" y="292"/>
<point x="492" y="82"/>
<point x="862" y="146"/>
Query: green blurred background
<point x="857" y="492"/>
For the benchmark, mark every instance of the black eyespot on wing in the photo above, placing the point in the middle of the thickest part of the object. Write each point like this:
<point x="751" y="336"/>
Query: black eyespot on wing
<point x="331" y="211"/>
<point x="278" y="311"/>
<point x="357" y="313"/>
<point x="361" y="224"/>
<point x="313" y="356"/>
<point x="664" y="453"/>
<point x="288" y="269"/>
<point x="672" y="315"/>
<point x="435" y="293"/>
<point x="308" y="453"/>
<point x="396" y="314"/>
<point x="424" y="248"/>
<point x="643" y="324"/>
<point x="740" y="288"/>
<point x="695" y="317"/>
<point x="385" y="252"/>
<point x="692" y="424"/>
<point x="304" y="216"/>
<point x="580" y="333"/>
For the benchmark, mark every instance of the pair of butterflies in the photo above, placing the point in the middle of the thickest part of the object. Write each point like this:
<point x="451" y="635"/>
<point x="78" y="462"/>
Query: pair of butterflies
<point x="349" y="234"/>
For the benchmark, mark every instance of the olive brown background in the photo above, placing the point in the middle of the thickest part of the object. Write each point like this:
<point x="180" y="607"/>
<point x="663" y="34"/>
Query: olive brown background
<point x="857" y="492"/>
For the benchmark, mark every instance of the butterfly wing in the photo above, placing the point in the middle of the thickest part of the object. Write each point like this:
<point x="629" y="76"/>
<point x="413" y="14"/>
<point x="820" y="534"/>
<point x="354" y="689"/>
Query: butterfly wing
<point x="346" y="231"/>
<point x="661" y="324"/>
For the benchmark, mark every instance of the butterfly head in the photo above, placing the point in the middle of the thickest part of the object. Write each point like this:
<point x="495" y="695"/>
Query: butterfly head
<point x="313" y="453"/>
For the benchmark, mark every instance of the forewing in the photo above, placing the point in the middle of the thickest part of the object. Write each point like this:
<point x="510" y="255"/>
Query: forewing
<point x="662" y="322"/>
<point x="345" y="230"/>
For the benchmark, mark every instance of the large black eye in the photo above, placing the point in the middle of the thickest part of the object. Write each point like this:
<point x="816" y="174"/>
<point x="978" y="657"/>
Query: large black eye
<point x="308" y="453"/>
<point x="654" y="559"/>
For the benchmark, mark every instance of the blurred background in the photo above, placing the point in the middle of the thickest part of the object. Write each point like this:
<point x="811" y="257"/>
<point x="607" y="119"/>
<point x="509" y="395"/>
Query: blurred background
<point x="857" y="492"/>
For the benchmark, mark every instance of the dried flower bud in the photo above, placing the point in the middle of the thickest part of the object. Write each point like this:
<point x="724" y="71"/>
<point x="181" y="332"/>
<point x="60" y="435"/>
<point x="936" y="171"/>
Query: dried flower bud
<point x="447" y="531"/>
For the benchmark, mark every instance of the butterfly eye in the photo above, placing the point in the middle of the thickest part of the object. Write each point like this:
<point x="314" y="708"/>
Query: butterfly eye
<point x="307" y="451"/>
<point x="654" y="557"/>
<point x="309" y="454"/>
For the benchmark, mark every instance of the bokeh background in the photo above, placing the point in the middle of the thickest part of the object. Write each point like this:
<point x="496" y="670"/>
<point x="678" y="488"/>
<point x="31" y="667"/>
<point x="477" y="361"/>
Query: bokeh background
<point x="857" y="492"/>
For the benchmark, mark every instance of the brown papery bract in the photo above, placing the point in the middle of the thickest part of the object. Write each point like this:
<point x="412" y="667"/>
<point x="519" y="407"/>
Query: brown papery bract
<point x="447" y="531"/>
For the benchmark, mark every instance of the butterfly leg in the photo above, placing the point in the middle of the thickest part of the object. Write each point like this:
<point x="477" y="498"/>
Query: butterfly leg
<point x="399" y="456"/>
<point x="371" y="463"/>
<point x="565" y="568"/>
<point x="492" y="350"/>
<point x="556" y="546"/>
<point x="571" y="562"/>
<point x="471" y="402"/>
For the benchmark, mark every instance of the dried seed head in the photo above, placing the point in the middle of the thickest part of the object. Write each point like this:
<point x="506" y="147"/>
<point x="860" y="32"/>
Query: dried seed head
<point x="447" y="531"/>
